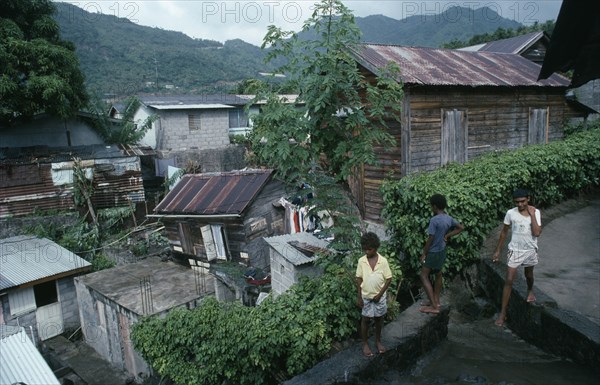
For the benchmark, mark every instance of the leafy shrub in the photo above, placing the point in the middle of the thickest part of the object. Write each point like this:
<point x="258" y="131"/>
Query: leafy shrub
<point x="479" y="193"/>
<point x="220" y="342"/>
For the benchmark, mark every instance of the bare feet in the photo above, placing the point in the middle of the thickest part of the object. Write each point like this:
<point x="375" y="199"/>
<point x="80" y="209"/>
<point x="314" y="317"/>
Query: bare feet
<point x="427" y="303"/>
<point x="429" y="309"/>
<point x="500" y="320"/>
<point x="531" y="297"/>
<point x="380" y="348"/>
<point x="367" y="351"/>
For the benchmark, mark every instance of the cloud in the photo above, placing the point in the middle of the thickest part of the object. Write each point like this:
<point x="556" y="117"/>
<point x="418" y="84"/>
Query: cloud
<point x="248" y="20"/>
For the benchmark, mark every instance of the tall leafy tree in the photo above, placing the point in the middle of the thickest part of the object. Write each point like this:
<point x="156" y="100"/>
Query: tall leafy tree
<point x="338" y="119"/>
<point x="40" y="72"/>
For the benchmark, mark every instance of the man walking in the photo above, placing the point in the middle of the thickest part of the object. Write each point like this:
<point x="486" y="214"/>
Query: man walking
<point x="525" y="223"/>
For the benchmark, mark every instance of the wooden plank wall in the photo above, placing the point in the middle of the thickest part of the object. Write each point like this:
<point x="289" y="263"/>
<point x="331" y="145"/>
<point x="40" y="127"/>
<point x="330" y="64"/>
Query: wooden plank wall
<point x="498" y="118"/>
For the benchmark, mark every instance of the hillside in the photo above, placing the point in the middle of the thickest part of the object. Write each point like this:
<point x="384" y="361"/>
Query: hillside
<point x="120" y="58"/>
<point x="432" y="30"/>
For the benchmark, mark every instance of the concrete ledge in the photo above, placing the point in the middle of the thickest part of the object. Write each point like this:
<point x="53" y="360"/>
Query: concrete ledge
<point x="561" y="332"/>
<point x="411" y="335"/>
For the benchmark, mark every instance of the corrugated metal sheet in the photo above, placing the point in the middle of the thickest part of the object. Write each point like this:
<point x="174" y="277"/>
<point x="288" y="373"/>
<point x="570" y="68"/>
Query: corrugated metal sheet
<point x="20" y="361"/>
<point x="514" y="45"/>
<point x="214" y="193"/>
<point x="25" y="259"/>
<point x="447" y="67"/>
<point x="26" y="187"/>
<point x="195" y="101"/>
<point x="283" y="244"/>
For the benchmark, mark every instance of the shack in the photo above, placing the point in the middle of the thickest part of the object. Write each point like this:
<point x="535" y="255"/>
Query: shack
<point x="458" y="105"/>
<point x="223" y="216"/>
<point x="293" y="256"/>
<point x="36" y="286"/>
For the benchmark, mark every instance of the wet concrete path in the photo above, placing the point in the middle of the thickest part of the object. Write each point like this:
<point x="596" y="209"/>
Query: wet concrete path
<point x="478" y="352"/>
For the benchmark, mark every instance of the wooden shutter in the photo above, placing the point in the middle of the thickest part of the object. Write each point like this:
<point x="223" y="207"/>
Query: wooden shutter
<point x="538" y="126"/>
<point x="454" y="136"/>
<point x="209" y="243"/>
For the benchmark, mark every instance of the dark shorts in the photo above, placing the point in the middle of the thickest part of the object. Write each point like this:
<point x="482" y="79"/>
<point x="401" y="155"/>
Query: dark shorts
<point x="435" y="260"/>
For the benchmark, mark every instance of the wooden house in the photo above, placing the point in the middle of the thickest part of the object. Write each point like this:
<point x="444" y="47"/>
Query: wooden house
<point x="223" y="216"/>
<point x="533" y="46"/>
<point x="458" y="105"/>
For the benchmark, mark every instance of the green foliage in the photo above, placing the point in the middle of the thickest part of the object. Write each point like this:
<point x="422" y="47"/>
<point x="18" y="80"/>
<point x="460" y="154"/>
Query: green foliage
<point x="479" y="193"/>
<point x="124" y="131"/>
<point x="501" y="33"/>
<point x="86" y="240"/>
<point x="336" y="121"/>
<point x="101" y="262"/>
<point x="40" y="72"/>
<point x="276" y="340"/>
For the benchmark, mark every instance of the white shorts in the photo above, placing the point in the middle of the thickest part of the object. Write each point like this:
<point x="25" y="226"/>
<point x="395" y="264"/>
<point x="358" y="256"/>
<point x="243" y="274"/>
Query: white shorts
<point x="374" y="309"/>
<point x="522" y="258"/>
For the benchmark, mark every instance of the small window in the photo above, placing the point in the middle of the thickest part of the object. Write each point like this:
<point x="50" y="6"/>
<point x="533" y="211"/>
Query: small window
<point x="45" y="293"/>
<point x="195" y="121"/>
<point x="238" y="118"/>
<point x="282" y="269"/>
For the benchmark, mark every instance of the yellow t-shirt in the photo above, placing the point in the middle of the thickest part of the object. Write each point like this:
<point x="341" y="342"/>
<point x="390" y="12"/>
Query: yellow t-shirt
<point x="372" y="279"/>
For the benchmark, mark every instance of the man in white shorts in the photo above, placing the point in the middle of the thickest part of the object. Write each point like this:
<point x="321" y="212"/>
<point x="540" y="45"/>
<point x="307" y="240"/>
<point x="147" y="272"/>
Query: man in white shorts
<point x="525" y="223"/>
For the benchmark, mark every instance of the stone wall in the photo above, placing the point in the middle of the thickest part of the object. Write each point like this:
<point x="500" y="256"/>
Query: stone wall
<point x="407" y="338"/>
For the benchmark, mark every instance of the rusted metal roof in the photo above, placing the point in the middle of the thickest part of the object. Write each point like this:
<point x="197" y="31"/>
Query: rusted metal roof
<point x="448" y="67"/>
<point x="27" y="259"/>
<point x="227" y="193"/>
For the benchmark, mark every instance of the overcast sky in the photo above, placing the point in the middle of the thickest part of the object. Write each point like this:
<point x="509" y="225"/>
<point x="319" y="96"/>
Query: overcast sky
<point x="223" y="20"/>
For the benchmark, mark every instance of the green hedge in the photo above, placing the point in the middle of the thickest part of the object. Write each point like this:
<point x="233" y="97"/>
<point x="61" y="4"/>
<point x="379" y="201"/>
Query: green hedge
<point x="479" y="193"/>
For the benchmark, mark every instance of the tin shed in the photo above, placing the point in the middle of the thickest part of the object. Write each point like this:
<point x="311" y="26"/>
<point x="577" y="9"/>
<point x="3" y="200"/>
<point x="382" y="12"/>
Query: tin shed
<point x="36" y="285"/>
<point x="292" y="256"/>
<point x="223" y="216"/>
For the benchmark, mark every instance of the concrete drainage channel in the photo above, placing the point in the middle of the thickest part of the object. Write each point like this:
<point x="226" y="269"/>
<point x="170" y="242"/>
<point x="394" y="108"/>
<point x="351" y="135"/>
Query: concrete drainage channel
<point x="562" y="333"/>
<point x="411" y="335"/>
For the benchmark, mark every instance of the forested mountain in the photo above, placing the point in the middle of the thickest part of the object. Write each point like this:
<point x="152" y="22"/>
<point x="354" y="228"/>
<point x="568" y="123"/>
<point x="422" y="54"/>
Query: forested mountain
<point x="458" y="23"/>
<point x="121" y="58"/>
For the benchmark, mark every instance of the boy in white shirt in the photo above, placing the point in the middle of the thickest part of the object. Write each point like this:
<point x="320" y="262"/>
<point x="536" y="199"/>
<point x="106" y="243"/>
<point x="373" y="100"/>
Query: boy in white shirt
<point x="525" y="223"/>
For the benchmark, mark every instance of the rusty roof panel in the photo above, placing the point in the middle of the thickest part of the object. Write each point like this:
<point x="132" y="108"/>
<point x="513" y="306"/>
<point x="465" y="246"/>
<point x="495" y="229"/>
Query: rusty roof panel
<point x="214" y="193"/>
<point x="448" y="67"/>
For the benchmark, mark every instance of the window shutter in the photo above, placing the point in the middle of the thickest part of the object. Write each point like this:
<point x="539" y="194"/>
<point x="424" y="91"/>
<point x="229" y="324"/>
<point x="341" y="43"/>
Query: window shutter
<point x="209" y="243"/>
<point x="21" y="301"/>
<point x="538" y="126"/>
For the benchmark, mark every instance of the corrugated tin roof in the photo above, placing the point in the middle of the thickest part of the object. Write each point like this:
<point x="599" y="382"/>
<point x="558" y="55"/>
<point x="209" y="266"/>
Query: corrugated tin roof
<point x="515" y="45"/>
<point x="26" y="258"/>
<point x="45" y="154"/>
<point x="214" y="193"/>
<point x="20" y="361"/>
<point x="448" y="67"/>
<point x="284" y="245"/>
<point x="193" y="101"/>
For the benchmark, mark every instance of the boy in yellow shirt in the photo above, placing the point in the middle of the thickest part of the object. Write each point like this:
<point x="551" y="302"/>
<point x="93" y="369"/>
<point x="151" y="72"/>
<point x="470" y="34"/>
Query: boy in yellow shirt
<point x="373" y="277"/>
